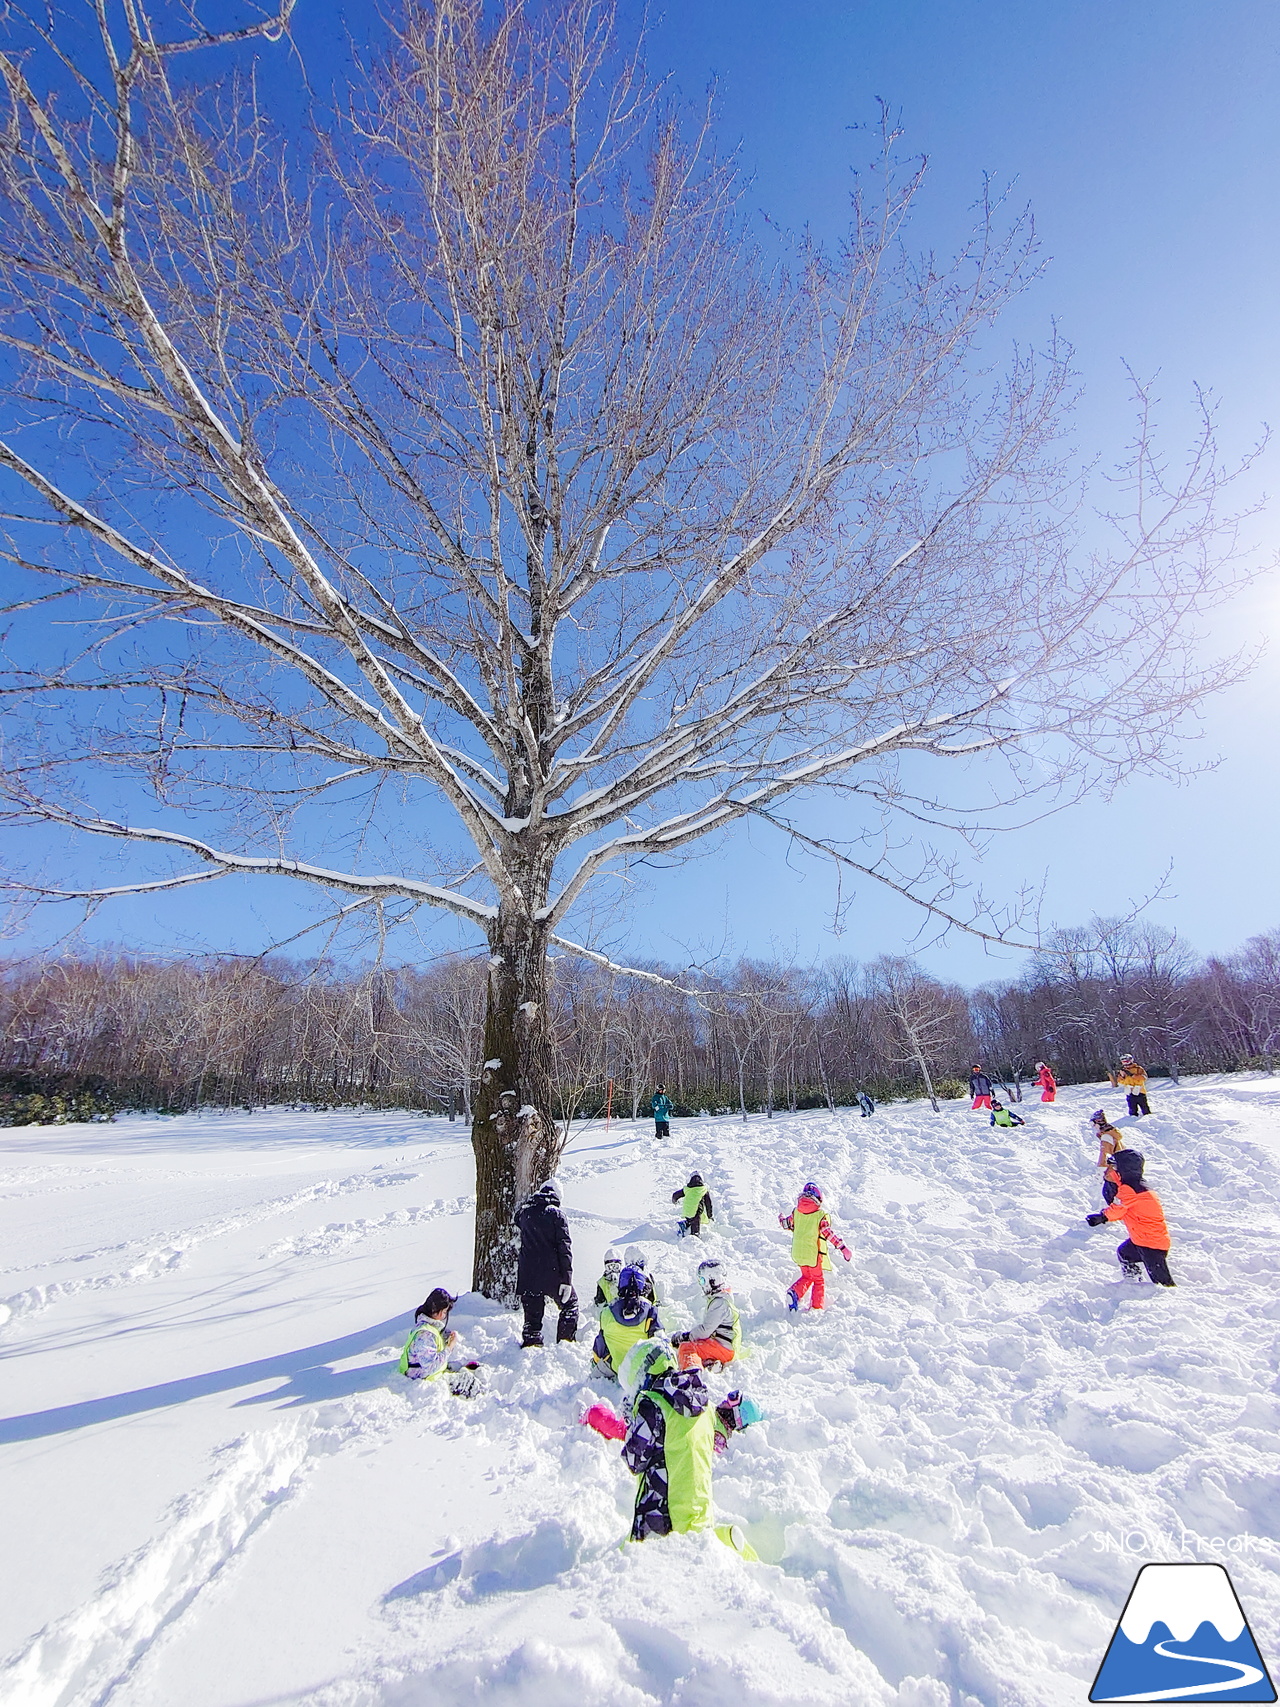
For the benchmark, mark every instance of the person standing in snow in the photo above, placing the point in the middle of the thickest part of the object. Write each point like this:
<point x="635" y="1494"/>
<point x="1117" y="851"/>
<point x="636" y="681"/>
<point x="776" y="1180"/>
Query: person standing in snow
<point x="1002" y="1116"/>
<point x="545" y="1268"/>
<point x="629" y="1318"/>
<point x="979" y="1087"/>
<point x="695" y="1202"/>
<point x="865" y="1105"/>
<point x="1143" y="1215"/>
<point x="811" y="1233"/>
<point x="670" y="1443"/>
<point x="719" y="1337"/>
<point x="660" y="1108"/>
<point x="1047" y="1083"/>
<point x="1133" y="1080"/>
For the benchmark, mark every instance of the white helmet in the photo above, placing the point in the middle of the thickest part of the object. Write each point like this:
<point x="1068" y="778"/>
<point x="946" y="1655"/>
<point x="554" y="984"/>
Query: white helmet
<point x="712" y="1276"/>
<point x="612" y="1260"/>
<point x="646" y="1357"/>
<point x="634" y="1258"/>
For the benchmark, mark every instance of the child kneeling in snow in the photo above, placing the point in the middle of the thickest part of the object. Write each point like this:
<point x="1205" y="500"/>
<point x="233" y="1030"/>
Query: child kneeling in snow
<point x="631" y="1317"/>
<point x="811" y="1233"/>
<point x="426" y="1351"/>
<point x="719" y="1337"/>
<point x="1002" y="1116"/>
<point x="670" y="1442"/>
<point x="1140" y="1209"/>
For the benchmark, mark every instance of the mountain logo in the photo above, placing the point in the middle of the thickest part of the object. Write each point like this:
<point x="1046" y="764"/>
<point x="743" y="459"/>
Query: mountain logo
<point x="1182" y="1636"/>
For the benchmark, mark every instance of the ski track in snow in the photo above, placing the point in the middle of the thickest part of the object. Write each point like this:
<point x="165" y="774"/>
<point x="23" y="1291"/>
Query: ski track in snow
<point x="148" y="1260"/>
<point x="953" y="1453"/>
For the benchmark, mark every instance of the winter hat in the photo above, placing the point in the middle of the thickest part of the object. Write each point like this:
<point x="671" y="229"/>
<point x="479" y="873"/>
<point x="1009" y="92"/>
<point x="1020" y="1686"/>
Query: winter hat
<point x="550" y="1190"/>
<point x="434" y="1302"/>
<point x="646" y="1359"/>
<point x="1129" y="1164"/>
<point x="712" y="1276"/>
<point x="1099" y="1117"/>
<point x="695" y="1179"/>
<point x="809" y="1189"/>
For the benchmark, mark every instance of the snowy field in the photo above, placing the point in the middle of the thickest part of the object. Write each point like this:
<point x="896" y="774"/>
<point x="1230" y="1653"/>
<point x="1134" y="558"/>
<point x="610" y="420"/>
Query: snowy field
<point x="217" y="1492"/>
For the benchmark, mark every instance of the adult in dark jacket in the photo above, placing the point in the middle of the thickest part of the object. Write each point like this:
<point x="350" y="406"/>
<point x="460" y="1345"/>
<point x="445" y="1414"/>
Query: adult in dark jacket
<point x="979" y="1088"/>
<point x="545" y="1268"/>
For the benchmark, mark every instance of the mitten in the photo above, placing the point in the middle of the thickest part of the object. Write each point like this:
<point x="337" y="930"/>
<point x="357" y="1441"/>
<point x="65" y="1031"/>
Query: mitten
<point x="1095" y="1220"/>
<point x="605" y="1422"/>
<point x="847" y="1255"/>
<point x="566" y="1292"/>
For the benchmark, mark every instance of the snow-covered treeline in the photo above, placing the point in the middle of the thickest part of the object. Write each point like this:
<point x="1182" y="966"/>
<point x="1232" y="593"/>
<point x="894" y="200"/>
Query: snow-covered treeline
<point x="148" y="1033"/>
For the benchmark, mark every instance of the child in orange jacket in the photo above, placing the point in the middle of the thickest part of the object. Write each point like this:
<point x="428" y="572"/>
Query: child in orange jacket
<point x="1047" y="1083"/>
<point x="1143" y="1215"/>
<point x="811" y="1233"/>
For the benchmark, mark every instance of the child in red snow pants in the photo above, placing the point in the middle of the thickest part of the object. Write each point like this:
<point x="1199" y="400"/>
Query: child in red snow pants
<point x="811" y="1277"/>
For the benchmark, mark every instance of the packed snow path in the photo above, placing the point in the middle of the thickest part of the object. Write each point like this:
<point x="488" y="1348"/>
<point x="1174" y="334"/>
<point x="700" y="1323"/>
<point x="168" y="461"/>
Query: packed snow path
<point x="218" y="1492"/>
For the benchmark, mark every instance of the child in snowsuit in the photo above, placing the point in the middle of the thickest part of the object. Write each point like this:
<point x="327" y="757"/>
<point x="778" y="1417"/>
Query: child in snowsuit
<point x="720" y="1335"/>
<point x="1134" y="1080"/>
<point x="979" y="1087"/>
<point x="1002" y="1116"/>
<point x="660" y="1108"/>
<point x="1143" y="1215"/>
<point x="695" y="1202"/>
<point x="607" y="1285"/>
<point x="865" y="1105"/>
<point x="811" y="1233"/>
<point x="629" y="1318"/>
<point x="1047" y="1083"/>
<point x="1110" y="1139"/>
<point x="426" y="1351"/>
<point x="732" y="1416"/>
<point x="670" y="1443"/>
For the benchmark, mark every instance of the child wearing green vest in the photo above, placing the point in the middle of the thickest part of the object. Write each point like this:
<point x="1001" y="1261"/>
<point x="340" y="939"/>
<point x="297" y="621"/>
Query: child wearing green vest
<point x="811" y="1233"/>
<point x="630" y="1318"/>
<point x="670" y="1443"/>
<point x="695" y="1202"/>
<point x="719" y="1338"/>
<point x="1002" y="1116"/>
<point x="607" y="1285"/>
<point x="426" y="1351"/>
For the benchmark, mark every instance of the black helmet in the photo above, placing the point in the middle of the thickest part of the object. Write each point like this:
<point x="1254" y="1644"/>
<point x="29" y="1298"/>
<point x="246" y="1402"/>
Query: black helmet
<point x="631" y="1282"/>
<point x="695" y="1179"/>
<point x="1129" y="1164"/>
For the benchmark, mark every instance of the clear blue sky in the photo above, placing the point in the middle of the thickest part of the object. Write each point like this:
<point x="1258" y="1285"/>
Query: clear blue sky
<point x="1145" y="137"/>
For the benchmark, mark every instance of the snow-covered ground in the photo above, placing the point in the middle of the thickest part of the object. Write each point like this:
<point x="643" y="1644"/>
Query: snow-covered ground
<point x="216" y="1491"/>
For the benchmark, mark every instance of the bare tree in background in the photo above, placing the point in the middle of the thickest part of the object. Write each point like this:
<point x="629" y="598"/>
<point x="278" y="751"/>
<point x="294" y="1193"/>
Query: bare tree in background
<point x="470" y="462"/>
<point x="925" y="1020"/>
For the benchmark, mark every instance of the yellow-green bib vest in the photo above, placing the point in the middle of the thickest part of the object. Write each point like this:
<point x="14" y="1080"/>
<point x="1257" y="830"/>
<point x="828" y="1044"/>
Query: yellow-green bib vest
<point x="619" y="1337"/>
<point x="807" y="1248"/>
<point x="693" y="1196"/>
<point x="1003" y="1117"/>
<point x="609" y="1287"/>
<point x="736" y="1342"/>
<point x="689" y="1449"/>
<point x="436" y="1332"/>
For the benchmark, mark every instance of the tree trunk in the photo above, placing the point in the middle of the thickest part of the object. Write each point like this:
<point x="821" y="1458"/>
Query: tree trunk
<point x="516" y="1149"/>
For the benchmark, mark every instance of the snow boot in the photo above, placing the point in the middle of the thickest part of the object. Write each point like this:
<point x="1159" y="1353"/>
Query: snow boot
<point x="793" y="1303"/>
<point x="531" y="1345"/>
<point x="466" y="1381"/>
<point x="733" y="1537"/>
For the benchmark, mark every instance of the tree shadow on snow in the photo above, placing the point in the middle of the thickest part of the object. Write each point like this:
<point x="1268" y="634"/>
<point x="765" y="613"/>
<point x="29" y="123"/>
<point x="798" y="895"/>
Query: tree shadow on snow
<point x="305" y="1373"/>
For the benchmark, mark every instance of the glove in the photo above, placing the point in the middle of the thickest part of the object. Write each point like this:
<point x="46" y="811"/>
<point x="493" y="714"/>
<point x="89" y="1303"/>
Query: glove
<point x="1095" y="1220"/>
<point x="605" y="1422"/>
<point x="678" y="1339"/>
<point x="847" y="1255"/>
<point x="566" y="1292"/>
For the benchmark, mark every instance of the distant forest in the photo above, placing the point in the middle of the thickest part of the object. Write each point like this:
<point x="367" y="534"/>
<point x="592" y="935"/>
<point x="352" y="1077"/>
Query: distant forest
<point x="86" y="1034"/>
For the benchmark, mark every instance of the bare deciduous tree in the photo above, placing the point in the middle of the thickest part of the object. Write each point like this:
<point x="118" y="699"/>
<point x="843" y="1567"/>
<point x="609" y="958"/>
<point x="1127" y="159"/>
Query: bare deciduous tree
<point x="471" y="462"/>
